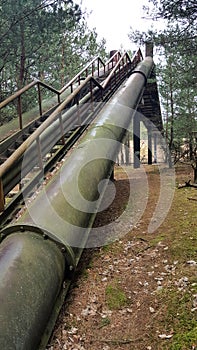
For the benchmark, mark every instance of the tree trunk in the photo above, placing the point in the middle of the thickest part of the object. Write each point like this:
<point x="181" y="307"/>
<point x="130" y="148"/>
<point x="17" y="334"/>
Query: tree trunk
<point x="171" y="141"/>
<point x="62" y="63"/>
<point x="195" y="169"/>
<point x="22" y="57"/>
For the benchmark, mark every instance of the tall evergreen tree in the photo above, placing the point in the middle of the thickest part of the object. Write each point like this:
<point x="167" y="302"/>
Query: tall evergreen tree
<point x="28" y="28"/>
<point x="176" y="45"/>
<point x="44" y="39"/>
<point x="40" y="38"/>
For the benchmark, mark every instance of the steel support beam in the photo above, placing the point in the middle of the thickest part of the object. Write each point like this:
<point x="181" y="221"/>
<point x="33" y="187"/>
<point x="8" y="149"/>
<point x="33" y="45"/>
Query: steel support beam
<point x="155" y="147"/>
<point x="136" y="140"/>
<point x="149" y="130"/>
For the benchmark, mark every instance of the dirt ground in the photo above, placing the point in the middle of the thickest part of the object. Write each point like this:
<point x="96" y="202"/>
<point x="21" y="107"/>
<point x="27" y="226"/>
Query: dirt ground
<point x="120" y="297"/>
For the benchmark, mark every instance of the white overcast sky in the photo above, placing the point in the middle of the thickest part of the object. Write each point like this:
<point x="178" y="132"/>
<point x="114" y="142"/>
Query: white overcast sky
<point x="113" y="19"/>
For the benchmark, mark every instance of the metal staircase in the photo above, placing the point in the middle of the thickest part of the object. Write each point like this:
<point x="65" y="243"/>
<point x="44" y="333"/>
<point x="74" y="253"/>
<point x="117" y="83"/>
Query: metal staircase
<point x="54" y="131"/>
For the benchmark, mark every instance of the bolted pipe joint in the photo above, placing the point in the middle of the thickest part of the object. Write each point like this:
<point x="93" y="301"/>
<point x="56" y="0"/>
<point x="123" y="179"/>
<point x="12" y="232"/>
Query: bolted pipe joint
<point x="31" y="278"/>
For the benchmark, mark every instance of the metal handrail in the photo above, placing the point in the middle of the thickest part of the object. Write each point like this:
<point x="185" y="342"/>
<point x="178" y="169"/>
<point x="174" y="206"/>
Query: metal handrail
<point x="19" y="93"/>
<point x="105" y="83"/>
<point x="135" y="59"/>
<point x="36" y="134"/>
<point x="52" y="117"/>
<point x="76" y="78"/>
<point x="84" y="70"/>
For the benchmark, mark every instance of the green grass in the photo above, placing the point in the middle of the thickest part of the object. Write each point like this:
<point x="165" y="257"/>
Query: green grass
<point x="104" y="322"/>
<point x="154" y="241"/>
<point x="179" y="233"/>
<point x="182" y="341"/>
<point x="180" y="319"/>
<point x="115" y="297"/>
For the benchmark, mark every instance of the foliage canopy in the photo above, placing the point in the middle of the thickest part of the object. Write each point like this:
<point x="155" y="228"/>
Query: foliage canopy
<point x="45" y="39"/>
<point x="176" y="46"/>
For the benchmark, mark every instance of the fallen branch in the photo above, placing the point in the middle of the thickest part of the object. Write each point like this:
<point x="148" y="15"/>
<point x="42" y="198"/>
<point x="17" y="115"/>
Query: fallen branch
<point x="119" y="341"/>
<point x="187" y="184"/>
<point x="192" y="199"/>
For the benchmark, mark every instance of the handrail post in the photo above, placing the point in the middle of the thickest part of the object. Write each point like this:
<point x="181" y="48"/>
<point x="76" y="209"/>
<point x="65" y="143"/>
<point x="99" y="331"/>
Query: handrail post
<point x="19" y="107"/>
<point x="127" y="64"/>
<point x="115" y="75"/>
<point x="58" y="98"/>
<point x="102" y="94"/>
<point x="2" y="198"/>
<point x="39" y="99"/>
<point x="91" y="93"/>
<point x="78" y="111"/>
<point x="98" y="71"/>
<point x="124" y="65"/>
<point x="61" y="128"/>
<point x="39" y="153"/>
<point x="119" y="71"/>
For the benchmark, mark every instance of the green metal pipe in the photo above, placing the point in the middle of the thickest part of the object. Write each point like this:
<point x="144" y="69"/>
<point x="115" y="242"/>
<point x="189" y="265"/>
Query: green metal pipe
<point x="55" y="228"/>
<point x="31" y="277"/>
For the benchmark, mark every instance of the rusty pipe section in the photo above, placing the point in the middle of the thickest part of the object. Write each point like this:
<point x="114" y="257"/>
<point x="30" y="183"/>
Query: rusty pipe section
<point x="47" y="242"/>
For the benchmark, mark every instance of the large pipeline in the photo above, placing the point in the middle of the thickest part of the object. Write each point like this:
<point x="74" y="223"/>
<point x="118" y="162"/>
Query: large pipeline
<point x="37" y="254"/>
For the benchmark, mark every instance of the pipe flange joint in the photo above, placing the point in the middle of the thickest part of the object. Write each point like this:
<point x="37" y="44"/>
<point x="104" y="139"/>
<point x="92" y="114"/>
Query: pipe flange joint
<point x="65" y="249"/>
